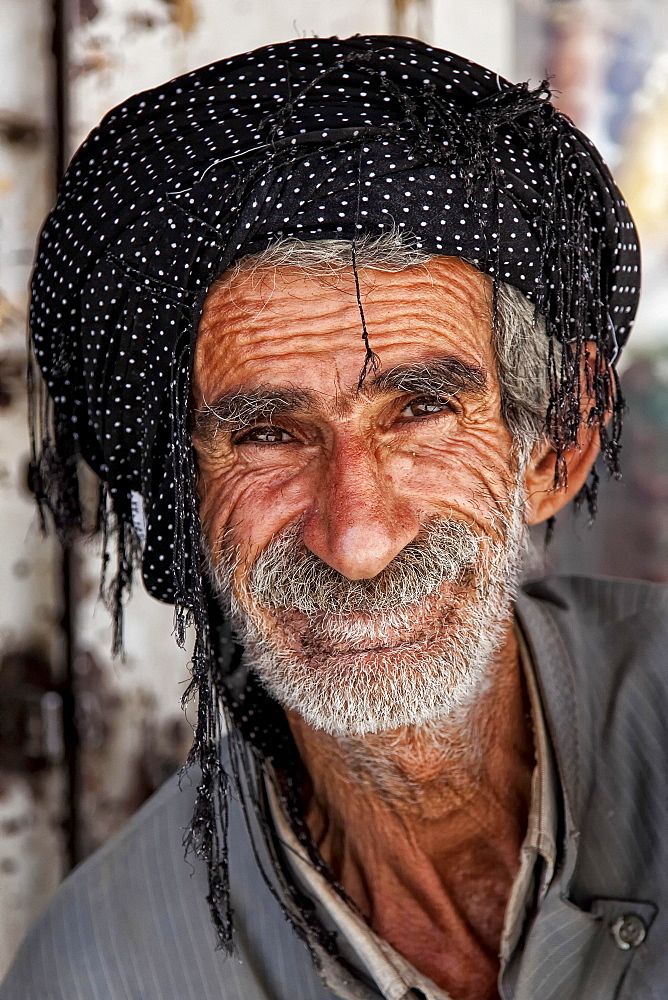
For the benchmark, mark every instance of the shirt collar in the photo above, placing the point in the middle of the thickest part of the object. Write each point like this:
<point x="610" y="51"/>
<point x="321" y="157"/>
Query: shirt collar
<point x="541" y="835"/>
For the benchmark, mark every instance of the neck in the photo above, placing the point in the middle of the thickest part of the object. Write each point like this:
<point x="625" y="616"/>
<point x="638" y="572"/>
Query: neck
<point x="423" y="826"/>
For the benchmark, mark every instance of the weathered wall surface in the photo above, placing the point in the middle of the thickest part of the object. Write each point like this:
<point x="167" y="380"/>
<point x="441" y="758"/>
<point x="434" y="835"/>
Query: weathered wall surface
<point x="132" y="730"/>
<point x="31" y="787"/>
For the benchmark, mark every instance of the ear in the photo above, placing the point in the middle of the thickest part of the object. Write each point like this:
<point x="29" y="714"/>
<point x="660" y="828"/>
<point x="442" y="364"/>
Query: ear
<point x="543" y="499"/>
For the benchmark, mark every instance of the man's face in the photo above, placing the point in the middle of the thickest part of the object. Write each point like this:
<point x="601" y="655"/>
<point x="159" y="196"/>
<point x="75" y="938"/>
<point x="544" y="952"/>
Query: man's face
<point x="366" y="539"/>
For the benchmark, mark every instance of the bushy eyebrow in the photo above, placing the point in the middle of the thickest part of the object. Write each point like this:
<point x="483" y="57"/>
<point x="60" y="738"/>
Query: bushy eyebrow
<point x="232" y="411"/>
<point x="446" y="376"/>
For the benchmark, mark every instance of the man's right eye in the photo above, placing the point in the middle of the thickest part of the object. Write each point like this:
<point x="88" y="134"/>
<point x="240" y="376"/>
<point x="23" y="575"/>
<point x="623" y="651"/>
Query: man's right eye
<point x="263" y="435"/>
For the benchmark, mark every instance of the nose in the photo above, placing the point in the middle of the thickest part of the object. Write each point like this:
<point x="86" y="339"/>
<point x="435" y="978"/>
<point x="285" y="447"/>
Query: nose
<point x="357" y="523"/>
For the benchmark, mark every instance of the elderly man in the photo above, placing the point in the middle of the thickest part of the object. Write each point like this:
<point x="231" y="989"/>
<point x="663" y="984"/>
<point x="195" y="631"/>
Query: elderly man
<point x="334" y="322"/>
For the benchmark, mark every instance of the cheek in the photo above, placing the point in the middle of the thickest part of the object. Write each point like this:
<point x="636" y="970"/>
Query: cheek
<point x="468" y="471"/>
<point x="249" y="504"/>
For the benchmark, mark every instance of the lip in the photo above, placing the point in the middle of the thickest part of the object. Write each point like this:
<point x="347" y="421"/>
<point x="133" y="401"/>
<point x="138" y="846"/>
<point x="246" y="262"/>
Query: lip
<point x="314" y="638"/>
<point x="381" y="648"/>
<point x="350" y="653"/>
<point x="398" y="647"/>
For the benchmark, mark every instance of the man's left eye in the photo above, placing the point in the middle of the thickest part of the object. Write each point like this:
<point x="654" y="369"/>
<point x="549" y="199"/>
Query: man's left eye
<point x="425" y="407"/>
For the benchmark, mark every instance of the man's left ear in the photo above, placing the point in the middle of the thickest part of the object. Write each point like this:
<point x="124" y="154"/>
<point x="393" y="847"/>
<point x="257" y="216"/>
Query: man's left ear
<point x="543" y="499"/>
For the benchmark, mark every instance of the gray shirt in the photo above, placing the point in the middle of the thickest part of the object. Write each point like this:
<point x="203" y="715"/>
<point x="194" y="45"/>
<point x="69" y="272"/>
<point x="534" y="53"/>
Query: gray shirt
<point x="132" y="923"/>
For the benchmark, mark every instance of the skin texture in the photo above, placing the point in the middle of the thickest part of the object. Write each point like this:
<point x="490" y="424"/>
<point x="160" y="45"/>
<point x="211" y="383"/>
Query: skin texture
<point x="432" y="866"/>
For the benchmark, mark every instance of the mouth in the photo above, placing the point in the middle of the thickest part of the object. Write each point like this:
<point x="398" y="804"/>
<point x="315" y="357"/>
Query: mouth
<point x="408" y="629"/>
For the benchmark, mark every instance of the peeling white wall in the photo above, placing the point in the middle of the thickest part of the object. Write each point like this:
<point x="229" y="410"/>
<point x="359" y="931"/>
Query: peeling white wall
<point x="481" y="30"/>
<point x="31" y="841"/>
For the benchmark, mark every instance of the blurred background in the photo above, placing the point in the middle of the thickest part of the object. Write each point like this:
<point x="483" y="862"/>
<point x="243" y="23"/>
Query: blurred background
<point x="85" y="739"/>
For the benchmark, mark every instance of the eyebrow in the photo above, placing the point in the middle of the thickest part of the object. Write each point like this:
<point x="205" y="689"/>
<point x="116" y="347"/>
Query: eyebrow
<point x="232" y="411"/>
<point x="446" y="376"/>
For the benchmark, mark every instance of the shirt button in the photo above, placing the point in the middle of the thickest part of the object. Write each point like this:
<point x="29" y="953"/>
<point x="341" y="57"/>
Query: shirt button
<point x="628" y="931"/>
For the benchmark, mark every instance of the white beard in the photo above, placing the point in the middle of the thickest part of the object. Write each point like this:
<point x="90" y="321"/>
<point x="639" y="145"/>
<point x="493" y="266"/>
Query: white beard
<point x="382" y="668"/>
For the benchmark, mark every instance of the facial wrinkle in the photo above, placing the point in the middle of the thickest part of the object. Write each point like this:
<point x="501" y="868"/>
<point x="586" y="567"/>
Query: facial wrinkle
<point x="431" y="681"/>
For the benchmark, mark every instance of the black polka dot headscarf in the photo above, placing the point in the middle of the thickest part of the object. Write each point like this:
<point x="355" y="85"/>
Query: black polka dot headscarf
<point x="316" y="138"/>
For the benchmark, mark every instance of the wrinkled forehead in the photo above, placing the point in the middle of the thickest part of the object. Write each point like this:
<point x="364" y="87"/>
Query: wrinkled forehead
<point x="307" y="272"/>
<point x="282" y="324"/>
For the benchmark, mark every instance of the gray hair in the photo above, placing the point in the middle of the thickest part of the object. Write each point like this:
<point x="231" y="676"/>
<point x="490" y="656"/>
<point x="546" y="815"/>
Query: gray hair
<point x="519" y="341"/>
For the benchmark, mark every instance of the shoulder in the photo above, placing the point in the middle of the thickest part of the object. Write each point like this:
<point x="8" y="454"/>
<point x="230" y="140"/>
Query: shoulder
<point x="600" y="648"/>
<point x="610" y="636"/>
<point x="136" y="888"/>
<point x="598" y="620"/>
<point x="597" y="598"/>
<point x="133" y="922"/>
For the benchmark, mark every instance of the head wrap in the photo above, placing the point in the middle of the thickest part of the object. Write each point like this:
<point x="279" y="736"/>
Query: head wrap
<point x="314" y="139"/>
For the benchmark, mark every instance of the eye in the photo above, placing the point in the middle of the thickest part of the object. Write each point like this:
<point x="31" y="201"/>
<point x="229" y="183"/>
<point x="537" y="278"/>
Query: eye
<point x="426" y="406"/>
<point x="264" y="435"/>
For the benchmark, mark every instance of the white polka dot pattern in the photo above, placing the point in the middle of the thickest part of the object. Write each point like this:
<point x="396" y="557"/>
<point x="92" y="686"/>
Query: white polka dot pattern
<point x="313" y="138"/>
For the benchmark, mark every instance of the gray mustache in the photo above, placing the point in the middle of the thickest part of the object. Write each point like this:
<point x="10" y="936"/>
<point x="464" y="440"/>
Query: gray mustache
<point x="287" y="575"/>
